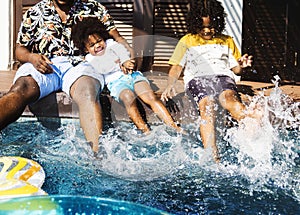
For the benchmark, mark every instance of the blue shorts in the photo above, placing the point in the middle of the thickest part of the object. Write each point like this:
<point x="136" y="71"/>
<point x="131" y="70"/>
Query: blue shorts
<point x="210" y="85"/>
<point x="125" y="82"/>
<point x="63" y="77"/>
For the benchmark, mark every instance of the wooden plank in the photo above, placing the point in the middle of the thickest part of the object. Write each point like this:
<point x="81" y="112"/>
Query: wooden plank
<point x="6" y="79"/>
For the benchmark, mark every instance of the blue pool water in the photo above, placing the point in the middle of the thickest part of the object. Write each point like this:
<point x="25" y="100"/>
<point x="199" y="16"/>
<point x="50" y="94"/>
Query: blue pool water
<point x="259" y="172"/>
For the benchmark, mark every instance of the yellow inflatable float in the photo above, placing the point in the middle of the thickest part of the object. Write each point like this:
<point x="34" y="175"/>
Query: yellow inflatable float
<point x="21" y="180"/>
<point x="20" y="177"/>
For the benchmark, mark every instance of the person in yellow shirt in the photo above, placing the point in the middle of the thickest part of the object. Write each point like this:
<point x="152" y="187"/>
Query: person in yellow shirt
<point x="209" y="60"/>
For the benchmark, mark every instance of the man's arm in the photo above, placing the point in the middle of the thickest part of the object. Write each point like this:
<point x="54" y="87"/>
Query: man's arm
<point x="40" y="62"/>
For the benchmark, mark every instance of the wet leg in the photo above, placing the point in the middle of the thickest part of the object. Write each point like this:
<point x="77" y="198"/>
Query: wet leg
<point x="230" y="101"/>
<point x="23" y="92"/>
<point x="129" y="100"/>
<point x="85" y="92"/>
<point x="207" y="125"/>
<point x="147" y="95"/>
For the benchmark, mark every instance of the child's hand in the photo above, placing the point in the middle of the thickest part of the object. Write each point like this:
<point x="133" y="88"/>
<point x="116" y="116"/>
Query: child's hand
<point x="245" y="61"/>
<point x="168" y="93"/>
<point x="128" y="66"/>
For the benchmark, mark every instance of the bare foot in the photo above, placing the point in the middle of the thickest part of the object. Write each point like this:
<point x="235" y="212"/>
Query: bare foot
<point x="255" y="111"/>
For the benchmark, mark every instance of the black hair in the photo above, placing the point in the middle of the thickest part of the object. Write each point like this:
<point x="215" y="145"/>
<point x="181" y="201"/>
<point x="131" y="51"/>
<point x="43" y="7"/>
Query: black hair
<point x="86" y="27"/>
<point x="205" y="8"/>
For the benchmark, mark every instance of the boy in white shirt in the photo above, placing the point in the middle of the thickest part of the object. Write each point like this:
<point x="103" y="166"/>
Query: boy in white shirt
<point x="210" y="61"/>
<point x="112" y="60"/>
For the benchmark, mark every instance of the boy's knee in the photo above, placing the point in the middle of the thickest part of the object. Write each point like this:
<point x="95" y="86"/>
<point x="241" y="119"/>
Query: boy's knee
<point x="205" y="102"/>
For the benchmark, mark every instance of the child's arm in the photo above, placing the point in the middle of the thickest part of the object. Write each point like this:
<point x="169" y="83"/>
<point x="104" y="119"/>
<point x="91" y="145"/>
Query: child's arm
<point x="120" y="39"/>
<point x="244" y="61"/>
<point x="174" y="74"/>
<point x="128" y="66"/>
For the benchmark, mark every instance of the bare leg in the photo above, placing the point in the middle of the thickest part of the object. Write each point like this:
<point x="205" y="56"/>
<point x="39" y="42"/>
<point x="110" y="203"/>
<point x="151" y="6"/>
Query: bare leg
<point x="207" y="125"/>
<point x="230" y="101"/>
<point x="147" y="95"/>
<point x="129" y="100"/>
<point x="85" y="92"/>
<point x="12" y="104"/>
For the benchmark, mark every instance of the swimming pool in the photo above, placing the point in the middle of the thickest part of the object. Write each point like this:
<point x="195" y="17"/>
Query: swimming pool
<point x="259" y="172"/>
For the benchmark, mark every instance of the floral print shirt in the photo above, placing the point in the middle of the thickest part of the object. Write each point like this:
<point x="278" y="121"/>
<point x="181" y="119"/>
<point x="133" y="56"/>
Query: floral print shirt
<point x="42" y="30"/>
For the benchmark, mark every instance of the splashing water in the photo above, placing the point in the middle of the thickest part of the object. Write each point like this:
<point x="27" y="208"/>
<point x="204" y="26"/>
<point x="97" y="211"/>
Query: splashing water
<point x="137" y="156"/>
<point x="268" y="150"/>
<point x="259" y="171"/>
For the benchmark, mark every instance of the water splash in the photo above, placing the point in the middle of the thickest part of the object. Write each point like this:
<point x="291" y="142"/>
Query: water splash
<point x="135" y="156"/>
<point x="267" y="151"/>
<point x="259" y="171"/>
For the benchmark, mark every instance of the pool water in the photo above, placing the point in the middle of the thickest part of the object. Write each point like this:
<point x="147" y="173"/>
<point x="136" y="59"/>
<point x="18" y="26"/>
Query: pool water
<point x="259" y="172"/>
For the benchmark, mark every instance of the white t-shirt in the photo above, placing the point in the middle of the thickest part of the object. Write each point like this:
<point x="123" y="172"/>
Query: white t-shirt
<point x="109" y="63"/>
<point x="209" y="59"/>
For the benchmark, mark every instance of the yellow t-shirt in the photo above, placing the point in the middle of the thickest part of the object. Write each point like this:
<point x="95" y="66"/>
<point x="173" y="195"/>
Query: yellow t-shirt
<point x="190" y="40"/>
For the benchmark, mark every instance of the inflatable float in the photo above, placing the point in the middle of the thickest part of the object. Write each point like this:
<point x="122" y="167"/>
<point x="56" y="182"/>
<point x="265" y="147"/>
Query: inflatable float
<point x="20" y="177"/>
<point x="21" y="180"/>
<point x="61" y="205"/>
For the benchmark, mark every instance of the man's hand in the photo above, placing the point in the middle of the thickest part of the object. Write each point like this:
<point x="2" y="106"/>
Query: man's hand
<point x="41" y="63"/>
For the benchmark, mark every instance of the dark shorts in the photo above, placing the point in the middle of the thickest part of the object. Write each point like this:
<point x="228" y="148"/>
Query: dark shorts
<point x="212" y="85"/>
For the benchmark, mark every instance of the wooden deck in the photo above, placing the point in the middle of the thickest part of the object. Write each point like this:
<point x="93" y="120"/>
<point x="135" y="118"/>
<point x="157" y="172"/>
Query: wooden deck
<point x="6" y="79"/>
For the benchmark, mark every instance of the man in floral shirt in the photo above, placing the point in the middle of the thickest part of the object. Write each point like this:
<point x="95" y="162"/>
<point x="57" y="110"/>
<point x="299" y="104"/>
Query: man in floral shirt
<point x="50" y="63"/>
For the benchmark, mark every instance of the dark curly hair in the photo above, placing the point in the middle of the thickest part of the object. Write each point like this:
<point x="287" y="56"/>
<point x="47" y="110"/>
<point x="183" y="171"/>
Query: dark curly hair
<point x="86" y="27"/>
<point x="205" y="8"/>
